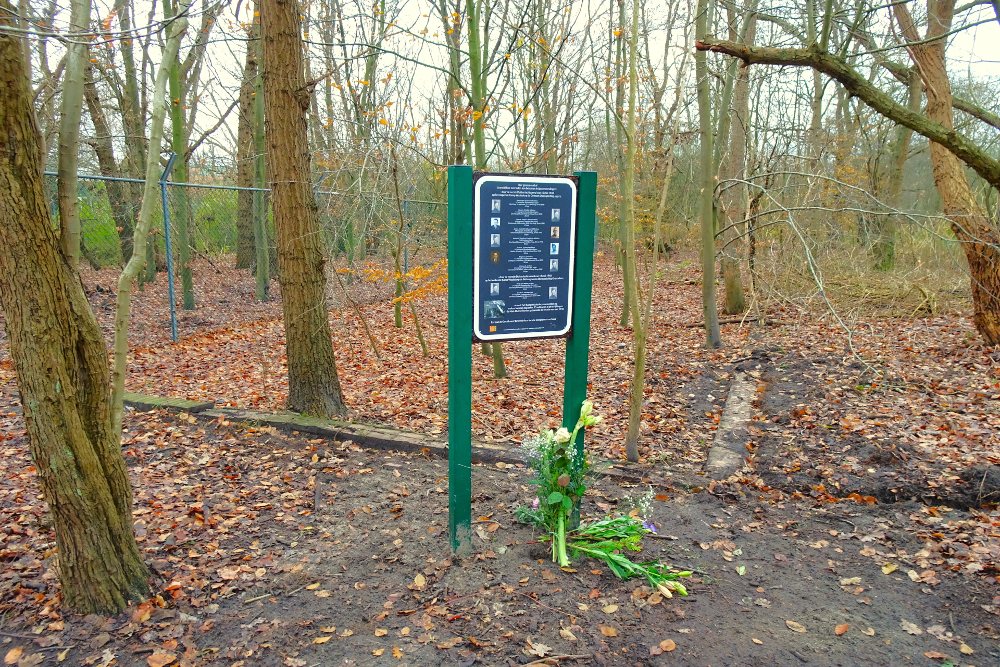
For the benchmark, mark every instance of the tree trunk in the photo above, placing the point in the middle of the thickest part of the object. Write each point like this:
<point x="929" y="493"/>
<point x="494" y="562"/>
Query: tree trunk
<point x="477" y="90"/>
<point x="118" y="195"/>
<point x="732" y="201"/>
<point x="886" y="228"/>
<point x="261" y="240"/>
<point x="707" y="196"/>
<point x="69" y="133"/>
<point x="61" y="362"/>
<point x="181" y="219"/>
<point x="639" y="327"/>
<point x="313" y="385"/>
<point x="979" y="237"/>
<point x="245" y="161"/>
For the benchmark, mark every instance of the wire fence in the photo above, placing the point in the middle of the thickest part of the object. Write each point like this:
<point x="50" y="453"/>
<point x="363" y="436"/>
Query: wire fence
<point x="355" y="225"/>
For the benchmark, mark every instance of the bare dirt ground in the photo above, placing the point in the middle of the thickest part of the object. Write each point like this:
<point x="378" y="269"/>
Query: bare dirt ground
<point x="864" y="529"/>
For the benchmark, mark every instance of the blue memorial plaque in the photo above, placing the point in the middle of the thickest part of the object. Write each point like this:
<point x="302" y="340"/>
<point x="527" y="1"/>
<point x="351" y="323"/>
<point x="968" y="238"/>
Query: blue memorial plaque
<point x="525" y="233"/>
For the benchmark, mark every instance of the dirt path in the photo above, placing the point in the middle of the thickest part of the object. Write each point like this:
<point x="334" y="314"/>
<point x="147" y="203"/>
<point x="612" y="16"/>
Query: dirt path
<point x="278" y="550"/>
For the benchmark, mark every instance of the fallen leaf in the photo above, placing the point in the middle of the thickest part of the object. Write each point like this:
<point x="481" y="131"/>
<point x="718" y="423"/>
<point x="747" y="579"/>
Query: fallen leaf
<point x="889" y="568"/>
<point x="13" y="655"/>
<point x="841" y="629"/>
<point x="381" y="632"/>
<point x="935" y="655"/>
<point x="312" y="587"/>
<point x="328" y="628"/>
<point x="850" y="581"/>
<point x="566" y="633"/>
<point x="142" y="612"/>
<point x="741" y="570"/>
<point x="795" y="626"/>
<point x="608" y="631"/>
<point x="322" y="640"/>
<point x="910" y="627"/>
<point x="540" y="650"/>
<point x="377" y="652"/>
<point x="160" y="659"/>
<point x="756" y="641"/>
<point x="397" y="653"/>
<point x="450" y="643"/>
<point x="419" y="583"/>
<point x="869" y="631"/>
<point x="668" y="645"/>
<point x="965" y="649"/>
<point x="609" y="608"/>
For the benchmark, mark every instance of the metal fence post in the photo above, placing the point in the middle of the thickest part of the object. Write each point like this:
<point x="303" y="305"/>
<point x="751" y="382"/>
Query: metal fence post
<point x="169" y="248"/>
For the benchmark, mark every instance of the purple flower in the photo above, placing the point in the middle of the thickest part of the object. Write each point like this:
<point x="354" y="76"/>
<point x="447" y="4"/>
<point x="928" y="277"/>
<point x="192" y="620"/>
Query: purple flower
<point x="535" y="503"/>
<point x="650" y="526"/>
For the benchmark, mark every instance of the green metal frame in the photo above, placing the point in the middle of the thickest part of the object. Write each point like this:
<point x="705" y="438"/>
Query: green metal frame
<point x="460" y="338"/>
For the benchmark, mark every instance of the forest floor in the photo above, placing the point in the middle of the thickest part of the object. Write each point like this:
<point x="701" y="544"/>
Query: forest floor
<point x="863" y="530"/>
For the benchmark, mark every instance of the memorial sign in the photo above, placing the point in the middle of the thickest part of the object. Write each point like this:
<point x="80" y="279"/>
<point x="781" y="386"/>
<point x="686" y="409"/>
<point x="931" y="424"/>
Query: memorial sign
<point x="520" y="251"/>
<point x="523" y="256"/>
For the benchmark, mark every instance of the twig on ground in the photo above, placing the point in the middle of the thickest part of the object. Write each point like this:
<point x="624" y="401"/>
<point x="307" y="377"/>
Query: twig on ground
<point x="554" y="659"/>
<point x="540" y="604"/>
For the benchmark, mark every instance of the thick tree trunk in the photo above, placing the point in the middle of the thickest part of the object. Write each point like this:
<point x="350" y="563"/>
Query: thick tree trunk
<point x="313" y="385"/>
<point x="62" y="369"/>
<point x="979" y="237"/>
<point x="245" y="162"/>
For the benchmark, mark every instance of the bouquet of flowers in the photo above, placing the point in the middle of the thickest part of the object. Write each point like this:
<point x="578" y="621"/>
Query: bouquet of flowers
<point x="561" y="481"/>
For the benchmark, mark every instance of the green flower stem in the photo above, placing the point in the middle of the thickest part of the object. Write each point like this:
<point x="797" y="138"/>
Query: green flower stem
<point x="560" y="556"/>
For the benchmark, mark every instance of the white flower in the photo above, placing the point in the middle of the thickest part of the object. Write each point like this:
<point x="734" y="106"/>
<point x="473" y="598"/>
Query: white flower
<point x="562" y="435"/>
<point x="586" y="409"/>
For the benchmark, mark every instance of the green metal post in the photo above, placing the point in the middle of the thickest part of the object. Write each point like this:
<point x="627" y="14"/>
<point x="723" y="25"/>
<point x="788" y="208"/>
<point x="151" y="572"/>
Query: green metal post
<point x="578" y="345"/>
<point x="460" y="358"/>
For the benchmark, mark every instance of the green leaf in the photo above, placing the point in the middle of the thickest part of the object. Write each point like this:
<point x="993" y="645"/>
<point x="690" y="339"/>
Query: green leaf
<point x="741" y="570"/>
<point x="555" y="498"/>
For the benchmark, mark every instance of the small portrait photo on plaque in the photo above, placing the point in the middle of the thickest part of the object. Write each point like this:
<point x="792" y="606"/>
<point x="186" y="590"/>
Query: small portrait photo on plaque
<point x="494" y="240"/>
<point x="553" y="265"/>
<point x="494" y="289"/>
<point x="495" y="223"/>
<point x="554" y="232"/>
<point x="494" y="309"/>
<point x="555" y="215"/>
<point x="553" y="248"/>
<point x="495" y="206"/>
<point x="553" y="292"/>
<point x="495" y="256"/>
